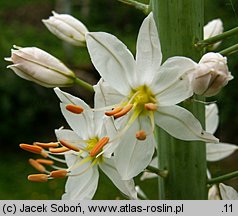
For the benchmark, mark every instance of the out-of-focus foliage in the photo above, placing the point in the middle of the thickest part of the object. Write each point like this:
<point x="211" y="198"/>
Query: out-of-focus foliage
<point x="29" y="112"/>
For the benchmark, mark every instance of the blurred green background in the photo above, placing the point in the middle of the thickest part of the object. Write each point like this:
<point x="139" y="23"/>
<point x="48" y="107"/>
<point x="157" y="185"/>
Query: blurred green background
<point x="29" y="112"/>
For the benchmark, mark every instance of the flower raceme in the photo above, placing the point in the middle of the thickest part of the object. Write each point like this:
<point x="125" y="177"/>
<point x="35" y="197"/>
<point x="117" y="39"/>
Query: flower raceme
<point x="36" y="65"/>
<point x="67" y="28"/>
<point x="142" y="93"/>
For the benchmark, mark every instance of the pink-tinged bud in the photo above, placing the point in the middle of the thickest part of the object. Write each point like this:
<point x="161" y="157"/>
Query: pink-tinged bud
<point x="36" y="65"/>
<point x="213" y="28"/>
<point x="67" y="28"/>
<point x="211" y="75"/>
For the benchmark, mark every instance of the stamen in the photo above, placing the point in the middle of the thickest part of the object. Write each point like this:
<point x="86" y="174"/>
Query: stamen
<point x="69" y="145"/>
<point x="31" y="148"/>
<point x="114" y="111"/>
<point x="44" y="154"/>
<point x="58" y="173"/>
<point x="38" y="178"/>
<point x="45" y="161"/>
<point x="95" y="161"/>
<point x="59" y="150"/>
<point x="141" y="135"/>
<point x="57" y="159"/>
<point x="47" y="145"/>
<point x="97" y="148"/>
<point x="37" y="165"/>
<point x="74" y="108"/>
<point x="124" y="111"/>
<point x="80" y="163"/>
<point x="150" y="106"/>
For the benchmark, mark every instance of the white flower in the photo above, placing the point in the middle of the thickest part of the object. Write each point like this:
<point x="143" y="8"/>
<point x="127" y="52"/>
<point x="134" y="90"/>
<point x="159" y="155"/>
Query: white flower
<point x="36" y="65"/>
<point x="213" y="193"/>
<point x="67" y="28"/>
<point x="212" y="74"/>
<point x="91" y="134"/>
<point x="216" y="151"/>
<point x="211" y="29"/>
<point x="147" y="91"/>
<point x="227" y="192"/>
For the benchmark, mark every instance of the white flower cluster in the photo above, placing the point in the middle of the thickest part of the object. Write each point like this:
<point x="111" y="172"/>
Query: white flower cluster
<point x="133" y="95"/>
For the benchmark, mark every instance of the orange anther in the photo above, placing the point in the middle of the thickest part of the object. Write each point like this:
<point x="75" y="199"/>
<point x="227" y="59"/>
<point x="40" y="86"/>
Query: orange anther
<point x="59" y="150"/>
<point x="47" y="145"/>
<point x="100" y="144"/>
<point x="38" y="178"/>
<point x="37" y="165"/>
<point x="114" y="111"/>
<point x="45" y="161"/>
<point x="31" y="148"/>
<point x="58" y="173"/>
<point x="124" y="111"/>
<point x="69" y="145"/>
<point x="141" y="135"/>
<point x="74" y="108"/>
<point x="150" y="106"/>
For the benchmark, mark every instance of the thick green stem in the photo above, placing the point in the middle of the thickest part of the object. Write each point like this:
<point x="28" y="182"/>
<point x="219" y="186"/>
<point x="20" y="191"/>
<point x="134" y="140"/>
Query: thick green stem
<point x="223" y="177"/>
<point x="84" y="84"/>
<point x="180" y="24"/>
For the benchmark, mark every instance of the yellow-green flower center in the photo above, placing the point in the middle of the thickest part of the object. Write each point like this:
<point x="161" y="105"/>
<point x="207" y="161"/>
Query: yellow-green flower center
<point x="141" y="96"/>
<point x="91" y="143"/>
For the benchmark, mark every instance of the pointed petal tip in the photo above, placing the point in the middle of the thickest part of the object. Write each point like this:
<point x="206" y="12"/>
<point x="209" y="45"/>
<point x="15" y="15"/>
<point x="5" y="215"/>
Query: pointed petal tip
<point x="207" y="137"/>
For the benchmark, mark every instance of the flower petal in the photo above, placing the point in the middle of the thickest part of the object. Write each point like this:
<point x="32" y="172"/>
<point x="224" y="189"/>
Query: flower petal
<point x="148" y="56"/>
<point x="108" y="94"/>
<point x="132" y="156"/>
<point x="212" y="118"/>
<point x="213" y="193"/>
<point x="227" y="192"/>
<point x="127" y="187"/>
<point x="149" y="175"/>
<point x="219" y="151"/>
<point x="112" y="59"/>
<point x="181" y="124"/>
<point x="80" y="123"/>
<point x="172" y="85"/>
<point x="83" y="186"/>
<point x="112" y="132"/>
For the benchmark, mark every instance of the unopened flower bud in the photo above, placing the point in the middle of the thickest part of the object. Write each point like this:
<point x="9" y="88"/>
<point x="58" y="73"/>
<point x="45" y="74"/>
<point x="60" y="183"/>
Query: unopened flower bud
<point x="212" y="74"/>
<point x="36" y="65"/>
<point x="67" y="28"/>
<point x="213" y="28"/>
